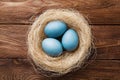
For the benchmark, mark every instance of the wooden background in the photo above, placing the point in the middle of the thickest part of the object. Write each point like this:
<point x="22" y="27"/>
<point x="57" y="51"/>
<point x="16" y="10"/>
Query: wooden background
<point x="16" y="16"/>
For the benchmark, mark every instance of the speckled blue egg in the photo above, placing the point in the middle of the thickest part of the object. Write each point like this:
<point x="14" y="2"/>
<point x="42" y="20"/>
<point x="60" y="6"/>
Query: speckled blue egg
<point x="70" y="40"/>
<point x="52" y="47"/>
<point x="55" y="29"/>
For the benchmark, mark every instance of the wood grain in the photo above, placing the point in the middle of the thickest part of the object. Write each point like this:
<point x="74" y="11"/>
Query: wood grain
<point x="13" y="0"/>
<point x="20" y="69"/>
<point x="95" y="11"/>
<point x="13" y="41"/>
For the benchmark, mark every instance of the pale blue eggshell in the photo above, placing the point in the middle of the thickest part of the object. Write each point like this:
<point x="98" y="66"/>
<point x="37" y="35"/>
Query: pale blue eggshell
<point x="70" y="40"/>
<point x="52" y="47"/>
<point x="55" y="29"/>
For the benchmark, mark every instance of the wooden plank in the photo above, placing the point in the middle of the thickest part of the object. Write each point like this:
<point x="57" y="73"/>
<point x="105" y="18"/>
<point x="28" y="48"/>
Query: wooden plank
<point x="13" y="0"/>
<point x="13" y="41"/>
<point x="107" y="41"/>
<point x="19" y="69"/>
<point x="95" y="11"/>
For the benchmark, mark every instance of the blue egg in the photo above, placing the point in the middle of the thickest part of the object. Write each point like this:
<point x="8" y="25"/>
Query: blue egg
<point x="70" y="40"/>
<point x="52" y="47"/>
<point x="55" y="29"/>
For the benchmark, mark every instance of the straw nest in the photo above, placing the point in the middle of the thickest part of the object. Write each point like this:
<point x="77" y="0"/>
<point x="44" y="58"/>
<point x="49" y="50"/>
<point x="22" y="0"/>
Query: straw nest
<point x="53" y="66"/>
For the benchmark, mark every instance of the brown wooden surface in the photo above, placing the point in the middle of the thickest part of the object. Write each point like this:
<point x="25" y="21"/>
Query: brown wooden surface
<point x="16" y="16"/>
<point x="12" y="0"/>
<point x="95" y="11"/>
<point x="19" y="69"/>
